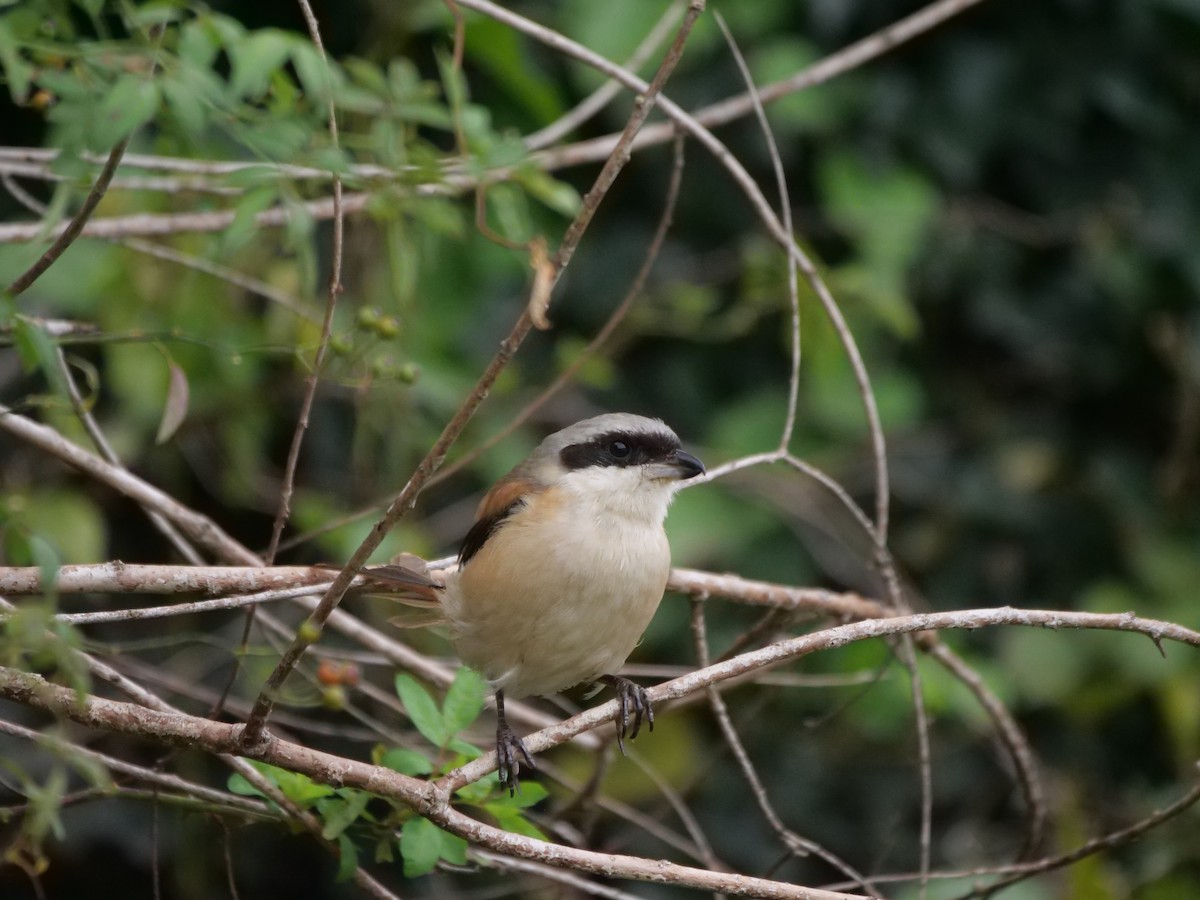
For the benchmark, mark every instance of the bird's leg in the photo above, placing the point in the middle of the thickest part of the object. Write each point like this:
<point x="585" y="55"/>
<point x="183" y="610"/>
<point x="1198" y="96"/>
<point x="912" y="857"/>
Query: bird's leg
<point x="510" y="751"/>
<point x="632" y="701"/>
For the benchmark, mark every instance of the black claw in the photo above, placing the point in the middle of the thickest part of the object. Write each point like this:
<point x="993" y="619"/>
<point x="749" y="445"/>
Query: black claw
<point x="510" y="751"/>
<point x="632" y="702"/>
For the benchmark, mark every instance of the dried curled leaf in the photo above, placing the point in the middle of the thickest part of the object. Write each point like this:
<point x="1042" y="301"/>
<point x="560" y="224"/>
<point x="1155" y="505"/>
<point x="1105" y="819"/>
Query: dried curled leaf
<point x="543" y="283"/>
<point x="176" y="407"/>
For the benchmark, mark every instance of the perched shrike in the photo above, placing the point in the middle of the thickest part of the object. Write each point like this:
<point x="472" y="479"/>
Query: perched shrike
<point x="565" y="566"/>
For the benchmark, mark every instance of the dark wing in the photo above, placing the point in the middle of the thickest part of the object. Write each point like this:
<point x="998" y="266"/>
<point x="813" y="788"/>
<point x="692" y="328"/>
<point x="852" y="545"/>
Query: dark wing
<point x="501" y="502"/>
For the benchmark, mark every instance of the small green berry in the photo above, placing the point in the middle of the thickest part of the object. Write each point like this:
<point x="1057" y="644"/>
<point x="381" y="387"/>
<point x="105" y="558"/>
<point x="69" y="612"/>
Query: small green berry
<point x="388" y="327"/>
<point x="368" y="318"/>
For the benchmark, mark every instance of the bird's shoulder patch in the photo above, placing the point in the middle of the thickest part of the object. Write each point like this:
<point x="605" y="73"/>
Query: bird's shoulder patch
<point x="500" y="502"/>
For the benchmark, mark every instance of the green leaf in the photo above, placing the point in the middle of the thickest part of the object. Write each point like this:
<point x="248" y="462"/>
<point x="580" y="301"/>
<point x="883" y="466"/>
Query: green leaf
<point x="91" y="7"/>
<point x="198" y="43"/>
<point x="784" y="55"/>
<point x="284" y="140"/>
<point x="367" y="74"/>
<point x="384" y="853"/>
<point x="187" y="105"/>
<point x="458" y="745"/>
<point x="347" y="858"/>
<point x="406" y="762"/>
<point x="152" y="14"/>
<point x="317" y="76"/>
<point x="531" y="794"/>
<point x="228" y="31"/>
<point x="17" y="72"/>
<point x="239" y="785"/>
<point x="464" y="700"/>
<point x="37" y="350"/>
<point x="550" y="192"/>
<point x="500" y="52"/>
<point x="300" y="789"/>
<point x="422" y="709"/>
<point x="423" y="843"/>
<point x="421" y="846"/>
<point x="514" y="820"/>
<point x="453" y="82"/>
<point x="453" y="848"/>
<point x="256" y="57"/>
<point x="888" y="209"/>
<point x="131" y="103"/>
<point x="244" y="225"/>
<point x="340" y="812"/>
<point x="480" y="793"/>
<point x="510" y="211"/>
<point x="46" y="558"/>
<point x="63" y="85"/>
<point x="56" y="517"/>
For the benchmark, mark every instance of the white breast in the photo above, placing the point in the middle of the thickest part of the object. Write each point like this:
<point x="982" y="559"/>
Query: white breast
<point x="555" y="597"/>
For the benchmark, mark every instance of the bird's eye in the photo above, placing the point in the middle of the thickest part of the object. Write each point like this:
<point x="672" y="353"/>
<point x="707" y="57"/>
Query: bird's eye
<point x="619" y="449"/>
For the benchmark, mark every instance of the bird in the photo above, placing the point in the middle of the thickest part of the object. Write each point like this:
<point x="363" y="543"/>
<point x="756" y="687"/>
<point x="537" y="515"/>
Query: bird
<point x="565" y="566"/>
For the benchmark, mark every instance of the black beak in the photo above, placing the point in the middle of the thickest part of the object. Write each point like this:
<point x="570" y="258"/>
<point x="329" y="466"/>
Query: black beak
<point x="687" y="465"/>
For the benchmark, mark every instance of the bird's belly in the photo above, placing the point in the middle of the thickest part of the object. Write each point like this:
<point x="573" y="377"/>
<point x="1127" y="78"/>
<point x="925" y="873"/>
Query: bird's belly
<point x="569" y="612"/>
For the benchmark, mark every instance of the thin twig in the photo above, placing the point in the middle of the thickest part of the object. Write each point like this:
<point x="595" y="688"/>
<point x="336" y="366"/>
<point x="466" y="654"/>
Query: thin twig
<point x="840" y="62"/>
<point x="146" y="703"/>
<point x="765" y="213"/>
<point x="426" y="798"/>
<point x="576" y="883"/>
<point x="796" y="844"/>
<point x="830" y="638"/>
<point x="148" y="224"/>
<point x="224" y="273"/>
<point x="826" y="69"/>
<point x="263" y="584"/>
<point x="335" y="289"/>
<point x="199" y="528"/>
<point x="907" y="655"/>
<point x="618" y="315"/>
<point x="84" y="414"/>
<point x="75" y="227"/>
<point x="314" y="376"/>
<point x="785" y="213"/>
<point x="162" y="780"/>
<point x="603" y="95"/>
<point x="170" y="254"/>
<point x="1095" y="845"/>
<point x="1011" y="737"/>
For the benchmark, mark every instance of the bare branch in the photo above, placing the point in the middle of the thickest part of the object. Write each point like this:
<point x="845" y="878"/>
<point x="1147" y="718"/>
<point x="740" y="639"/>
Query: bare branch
<point x="74" y="228"/>
<point x="795" y="843"/>
<point x="428" y="799"/>
<point x="832" y="638"/>
<point x="602" y="336"/>
<point x="1010" y="735"/>
<point x="145" y="224"/>
<point x="823" y="70"/>
<point x="200" y="529"/>
<point x="335" y="288"/>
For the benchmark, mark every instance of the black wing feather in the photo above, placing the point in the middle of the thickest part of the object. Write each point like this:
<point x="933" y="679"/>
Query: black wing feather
<point x="483" y="529"/>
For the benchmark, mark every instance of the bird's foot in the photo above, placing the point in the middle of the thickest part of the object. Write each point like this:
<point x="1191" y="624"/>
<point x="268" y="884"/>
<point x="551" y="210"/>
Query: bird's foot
<point x="632" y="703"/>
<point x="510" y="753"/>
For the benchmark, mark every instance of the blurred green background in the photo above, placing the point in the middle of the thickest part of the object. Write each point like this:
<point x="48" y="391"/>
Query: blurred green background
<point x="1008" y="211"/>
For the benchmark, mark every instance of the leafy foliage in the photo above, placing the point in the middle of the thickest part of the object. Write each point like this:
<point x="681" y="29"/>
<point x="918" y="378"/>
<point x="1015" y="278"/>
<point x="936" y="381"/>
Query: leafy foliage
<point x="1005" y="209"/>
